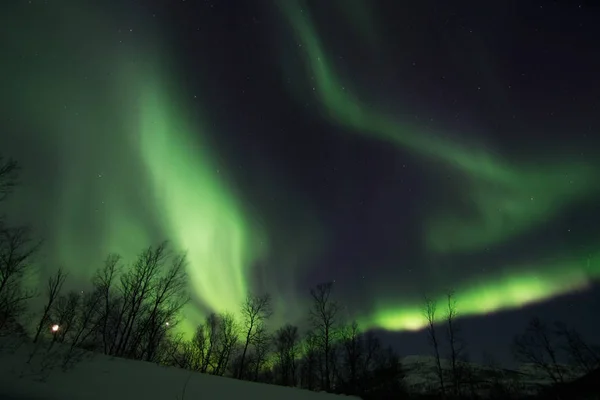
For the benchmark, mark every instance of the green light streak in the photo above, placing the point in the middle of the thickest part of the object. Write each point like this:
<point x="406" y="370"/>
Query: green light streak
<point x="504" y="200"/>
<point x="495" y="293"/>
<point x="201" y="215"/>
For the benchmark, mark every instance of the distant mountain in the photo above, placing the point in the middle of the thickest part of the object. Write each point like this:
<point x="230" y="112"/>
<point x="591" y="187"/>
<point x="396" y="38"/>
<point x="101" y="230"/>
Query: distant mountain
<point x="421" y="376"/>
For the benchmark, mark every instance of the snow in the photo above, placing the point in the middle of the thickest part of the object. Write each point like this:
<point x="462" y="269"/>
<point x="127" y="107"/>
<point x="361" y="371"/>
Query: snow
<point x="96" y="376"/>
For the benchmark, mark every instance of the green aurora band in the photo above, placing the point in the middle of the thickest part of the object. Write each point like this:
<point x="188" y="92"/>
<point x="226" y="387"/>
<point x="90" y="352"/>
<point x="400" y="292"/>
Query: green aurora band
<point x="129" y="155"/>
<point x="506" y="200"/>
<point x="135" y="165"/>
<point x="209" y="223"/>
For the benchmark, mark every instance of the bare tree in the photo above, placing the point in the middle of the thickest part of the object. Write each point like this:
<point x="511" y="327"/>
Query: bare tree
<point x="323" y="317"/>
<point x="9" y="174"/>
<point x="536" y="346"/>
<point x="53" y="288"/>
<point x="352" y="342"/>
<point x="455" y="343"/>
<point x="286" y="351"/>
<point x="136" y="286"/>
<point x="16" y="252"/>
<point x="384" y="380"/>
<point x="211" y="334"/>
<point x="228" y="338"/>
<point x="581" y="354"/>
<point x="262" y="345"/>
<point x="255" y="310"/>
<point x="166" y="301"/>
<point x="429" y="313"/>
<point x="103" y="283"/>
<point x="138" y="307"/>
<point x="310" y="361"/>
<point x="88" y="318"/>
<point x="64" y="314"/>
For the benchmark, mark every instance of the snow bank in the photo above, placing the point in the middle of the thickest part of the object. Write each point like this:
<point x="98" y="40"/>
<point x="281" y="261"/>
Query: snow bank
<point x="99" y="377"/>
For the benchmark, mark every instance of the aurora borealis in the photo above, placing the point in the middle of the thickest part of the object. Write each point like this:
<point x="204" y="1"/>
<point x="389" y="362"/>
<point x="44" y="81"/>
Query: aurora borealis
<point x="279" y="153"/>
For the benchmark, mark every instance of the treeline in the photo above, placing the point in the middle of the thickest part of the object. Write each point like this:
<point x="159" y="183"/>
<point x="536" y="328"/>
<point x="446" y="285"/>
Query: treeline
<point x="132" y="310"/>
<point x="331" y="356"/>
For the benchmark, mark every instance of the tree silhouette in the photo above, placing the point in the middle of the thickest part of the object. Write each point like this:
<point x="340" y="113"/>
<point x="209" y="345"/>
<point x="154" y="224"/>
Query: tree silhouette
<point x="262" y="343"/>
<point x="455" y="344"/>
<point x="9" y="176"/>
<point x="581" y="354"/>
<point x="310" y="361"/>
<point x="537" y="347"/>
<point x="323" y="317"/>
<point x="353" y="353"/>
<point x="53" y="288"/>
<point x="429" y="312"/>
<point x="104" y="281"/>
<point x="88" y="319"/>
<point x="64" y="313"/>
<point x="228" y="334"/>
<point x="16" y="251"/>
<point x="255" y="310"/>
<point x="211" y="334"/>
<point x="286" y="351"/>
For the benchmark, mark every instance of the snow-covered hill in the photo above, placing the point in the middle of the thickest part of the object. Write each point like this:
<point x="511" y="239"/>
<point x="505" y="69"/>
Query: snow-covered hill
<point x="95" y="376"/>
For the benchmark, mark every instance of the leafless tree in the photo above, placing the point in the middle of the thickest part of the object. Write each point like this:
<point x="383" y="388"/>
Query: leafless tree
<point x="536" y="346"/>
<point x="372" y="346"/>
<point x="178" y="354"/>
<point x="286" y="352"/>
<point x="455" y="343"/>
<point x="211" y="336"/>
<point x="17" y="249"/>
<point x="261" y="344"/>
<point x="64" y="314"/>
<point x="53" y="288"/>
<point x="190" y="354"/>
<point x="352" y="342"/>
<point x="136" y="287"/>
<point x="88" y="319"/>
<point x="166" y="300"/>
<point x="368" y="370"/>
<point x="138" y="306"/>
<point x="104" y="282"/>
<point x="323" y="317"/>
<point x="384" y="380"/>
<point x="581" y="354"/>
<point x="9" y="174"/>
<point x="310" y="362"/>
<point x="429" y="313"/>
<point x="141" y="304"/>
<point x="228" y="338"/>
<point x="255" y="310"/>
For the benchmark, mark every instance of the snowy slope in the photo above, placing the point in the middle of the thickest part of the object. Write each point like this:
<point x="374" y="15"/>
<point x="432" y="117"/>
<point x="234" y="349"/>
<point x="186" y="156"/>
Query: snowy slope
<point x="99" y="377"/>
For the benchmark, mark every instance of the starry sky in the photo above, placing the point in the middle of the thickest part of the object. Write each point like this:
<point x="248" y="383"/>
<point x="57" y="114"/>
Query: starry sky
<point x="399" y="150"/>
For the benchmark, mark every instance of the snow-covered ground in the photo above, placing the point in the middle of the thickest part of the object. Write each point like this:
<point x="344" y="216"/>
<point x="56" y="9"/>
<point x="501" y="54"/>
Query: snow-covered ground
<point x="95" y="376"/>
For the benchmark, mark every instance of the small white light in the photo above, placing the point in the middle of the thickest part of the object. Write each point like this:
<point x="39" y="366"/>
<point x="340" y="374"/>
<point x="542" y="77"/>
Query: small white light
<point x="166" y="323"/>
<point x="55" y="328"/>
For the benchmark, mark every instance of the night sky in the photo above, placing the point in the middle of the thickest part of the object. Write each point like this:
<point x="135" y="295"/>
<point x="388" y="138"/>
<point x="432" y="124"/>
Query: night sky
<point x="399" y="149"/>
